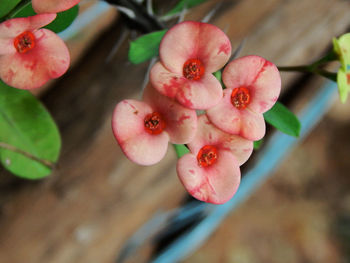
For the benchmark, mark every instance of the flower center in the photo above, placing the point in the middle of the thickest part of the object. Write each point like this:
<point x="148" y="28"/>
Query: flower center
<point x="24" y="42"/>
<point x="193" y="69"/>
<point x="240" y="97"/>
<point x="207" y="156"/>
<point x="154" y="124"/>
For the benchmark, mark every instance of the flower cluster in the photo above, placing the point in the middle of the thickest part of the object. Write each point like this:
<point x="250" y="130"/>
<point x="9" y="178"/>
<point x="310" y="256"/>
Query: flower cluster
<point x="29" y="54"/>
<point x="182" y="82"/>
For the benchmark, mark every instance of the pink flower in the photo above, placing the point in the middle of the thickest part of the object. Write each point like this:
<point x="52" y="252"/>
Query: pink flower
<point x="143" y="129"/>
<point x="52" y="6"/>
<point x="189" y="53"/>
<point x="253" y="86"/>
<point x="30" y="56"/>
<point x="211" y="171"/>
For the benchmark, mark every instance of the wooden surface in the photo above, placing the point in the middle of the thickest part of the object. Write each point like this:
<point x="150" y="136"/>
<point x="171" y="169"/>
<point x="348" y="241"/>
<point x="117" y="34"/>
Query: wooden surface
<point x="96" y="198"/>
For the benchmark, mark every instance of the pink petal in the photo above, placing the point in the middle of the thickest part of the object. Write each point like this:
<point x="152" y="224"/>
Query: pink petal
<point x="224" y="115"/>
<point x="191" y="39"/>
<point x="200" y="94"/>
<point x="208" y="134"/>
<point x="48" y="59"/>
<point x="166" y="82"/>
<point x="128" y="128"/>
<point x="181" y="123"/>
<point x="214" y="184"/>
<point x="252" y="125"/>
<point x="259" y="75"/>
<point x="13" y="27"/>
<point x="52" y="6"/>
<point x="214" y="48"/>
<point x="194" y="94"/>
<point x="245" y="123"/>
<point x="6" y="46"/>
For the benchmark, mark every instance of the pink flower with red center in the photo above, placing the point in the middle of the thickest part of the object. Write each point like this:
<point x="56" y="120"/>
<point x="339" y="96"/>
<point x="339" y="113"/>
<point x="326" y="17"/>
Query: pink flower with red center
<point x="253" y="85"/>
<point x="143" y="129"/>
<point x="210" y="172"/>
<point x="52" y="6"/>
<point x="30" y="56"/>
<point x="189" y="53"/>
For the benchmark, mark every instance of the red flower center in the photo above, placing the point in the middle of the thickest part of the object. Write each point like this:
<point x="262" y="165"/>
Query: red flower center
<point x="207" y="155"/>
<point x="24" y="42"/>
<point x="154" y="124"/>
<point x="193" y="69"/>
<point x="240" y="97"/>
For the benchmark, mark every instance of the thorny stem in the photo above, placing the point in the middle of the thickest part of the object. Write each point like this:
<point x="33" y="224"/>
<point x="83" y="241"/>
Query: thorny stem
<point x="142" y="20"/>
<point x="47" y="163"/>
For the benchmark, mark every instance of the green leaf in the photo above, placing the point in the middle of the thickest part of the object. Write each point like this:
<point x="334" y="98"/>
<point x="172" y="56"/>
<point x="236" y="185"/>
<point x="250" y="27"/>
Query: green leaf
<point x="257" y="144"/>
<point x="7" y="6"/>
<point x="145" y="47"/>
<point x="283" y="119"/>
<point x="24" y="10"/>
<point x="63" y="20"/>
<point x="27" y="126"/>
<point x="181" y="150"/>
<point x="184" y="3"/>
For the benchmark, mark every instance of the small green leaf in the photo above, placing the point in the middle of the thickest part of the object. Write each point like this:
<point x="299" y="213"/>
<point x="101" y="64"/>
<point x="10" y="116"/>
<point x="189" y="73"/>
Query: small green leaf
<point x="7" y="6"/>
<point x="181" y="150"/>
<point x="283" y="119"/>
<point x="336" y="47"/>
<point x="184" y="3"/>
<point x="217" y="75"/>
<point x="257" y="144"/>
<point x="343" y="84"/>
<point x="27" y="126"/>
<point x="63" y="20"/>
<point x="341" y="46"/>
<point x="145" y="47"/>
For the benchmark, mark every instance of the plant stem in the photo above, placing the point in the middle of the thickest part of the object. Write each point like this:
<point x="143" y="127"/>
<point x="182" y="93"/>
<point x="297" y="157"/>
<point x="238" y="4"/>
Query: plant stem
<point x="329" y="75"/>
<point x="12" y="148"/>
<point x="330" y="56"/>
<point x="314" y="67"/>
<point x="301" y="68"/>
<point x="310" y="69"/>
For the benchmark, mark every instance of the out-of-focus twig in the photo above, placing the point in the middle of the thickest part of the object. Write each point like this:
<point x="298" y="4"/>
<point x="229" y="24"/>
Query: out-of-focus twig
<point x="123" y="36"/>
<point x="211" y="13"/>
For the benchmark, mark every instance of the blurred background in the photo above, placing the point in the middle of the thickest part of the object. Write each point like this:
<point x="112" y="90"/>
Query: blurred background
<point x="96" y="199"/>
